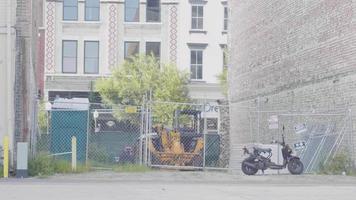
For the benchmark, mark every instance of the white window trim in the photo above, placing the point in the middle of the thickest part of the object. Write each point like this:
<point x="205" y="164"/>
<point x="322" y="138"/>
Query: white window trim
<point x="202" y="64"/>
<point x="191" y="17"/>
<point x="160" y="13"/>
<point x="70" y="20"/>
<point x="131" y="41"/>
<point x="139" y="13"/>
<point x="226" y="19"/>
<point x="84" y="67"/>
<point x="85" y="12"/>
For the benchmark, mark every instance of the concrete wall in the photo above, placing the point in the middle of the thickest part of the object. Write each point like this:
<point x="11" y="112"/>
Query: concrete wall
<point x="290" y="55"/>
<point x="7" y="63"/>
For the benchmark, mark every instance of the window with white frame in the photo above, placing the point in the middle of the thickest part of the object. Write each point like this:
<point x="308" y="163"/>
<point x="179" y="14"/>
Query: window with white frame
<point x="92" y="10"/>
<point x="132" y="10"/>
<point x="196" y="64"/>
<point x="197" y="17"/>
<point x="153" y="48"/>
<point x="69" y="56"/>
<point x="224" y="55"/>
<point x="226" y="18"/>
<point x="225" y="65"/>
<point x="153" y="11"/>
<point x="131" y="49"/>
<point x="70" y="10"/>
<point x="91" y="57"/>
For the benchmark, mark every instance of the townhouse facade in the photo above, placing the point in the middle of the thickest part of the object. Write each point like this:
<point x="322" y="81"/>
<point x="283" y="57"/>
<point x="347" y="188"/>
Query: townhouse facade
<point x="84" y="39"/>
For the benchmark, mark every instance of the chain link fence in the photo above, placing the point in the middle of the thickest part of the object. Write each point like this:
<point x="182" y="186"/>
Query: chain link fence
<point x="106" y="136"/>
<point x="156" y="134"/>
<point x="187" y="135"/>
<point x="315" y="137"/>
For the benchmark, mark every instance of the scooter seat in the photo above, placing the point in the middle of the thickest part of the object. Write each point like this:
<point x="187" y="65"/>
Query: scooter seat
<point x="267" y="150"/>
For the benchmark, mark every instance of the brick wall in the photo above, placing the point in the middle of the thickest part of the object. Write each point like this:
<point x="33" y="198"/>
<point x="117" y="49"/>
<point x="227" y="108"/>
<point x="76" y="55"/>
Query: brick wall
<point x="294" y="55"/>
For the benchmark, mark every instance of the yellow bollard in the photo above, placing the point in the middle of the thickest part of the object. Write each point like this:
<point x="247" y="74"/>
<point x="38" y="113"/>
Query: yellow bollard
<point x="6" y="156"/>
<point x="74" y="153"/>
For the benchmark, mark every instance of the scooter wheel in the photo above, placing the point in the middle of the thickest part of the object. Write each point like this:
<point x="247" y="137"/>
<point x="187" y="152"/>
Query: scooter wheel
<point x="247" y="169"/>
<point x="295" y="166"/>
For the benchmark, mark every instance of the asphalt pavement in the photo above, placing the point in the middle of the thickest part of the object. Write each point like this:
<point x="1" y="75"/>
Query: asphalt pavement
<point x="172" y="185"/>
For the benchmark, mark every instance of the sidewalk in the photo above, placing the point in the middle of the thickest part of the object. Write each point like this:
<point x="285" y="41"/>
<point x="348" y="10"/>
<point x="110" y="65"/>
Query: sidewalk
<point x="179" y="185"/>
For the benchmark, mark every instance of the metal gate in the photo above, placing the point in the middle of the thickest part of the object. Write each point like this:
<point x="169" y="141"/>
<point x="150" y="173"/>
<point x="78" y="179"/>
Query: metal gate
<point x="114" y="136"/>
<point x="186" y="136"/>
<point x="315" y="137"/>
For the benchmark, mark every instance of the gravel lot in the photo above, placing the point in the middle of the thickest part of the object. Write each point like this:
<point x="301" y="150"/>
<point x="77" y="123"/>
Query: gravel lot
<point x="171" y="185"/>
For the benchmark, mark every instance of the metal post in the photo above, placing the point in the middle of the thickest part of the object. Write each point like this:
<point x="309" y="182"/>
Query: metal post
<point x="47" y="120"/>
<point x="258" y="119"/>
<point x="149" y="128"/>
<point x="87" y="145"/>
<point x="204" y="139"/>
<point x="141" y="134"/>
<point x="74" y="153"/>
<point x="6" y="157"/>
<point x="146" y="135"/>
<point x="352" y="140"/>
<point x="278" y="147"/>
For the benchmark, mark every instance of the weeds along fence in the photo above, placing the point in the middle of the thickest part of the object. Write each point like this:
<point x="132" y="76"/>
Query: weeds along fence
<point x="156" y="134"/>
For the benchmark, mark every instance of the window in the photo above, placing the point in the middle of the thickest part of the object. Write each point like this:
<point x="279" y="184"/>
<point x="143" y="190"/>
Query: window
<point x="153" y="48"/>
<point x="196" y="64"/>
<point x="153" y="11"/>
<point x="197" y="17"/>
<point x="91" y="57"/>
<point x="92" y="10"/>
<point x="131" y="49"/>
<point x="69" y="56"/>
<point x="225" y="58"/>
<point x="132" y="10"/>
<point x="226" y="18"/>
<point x="70" y="10"/>
<point x="93" y="96"/>
<point x="212" y="124"/>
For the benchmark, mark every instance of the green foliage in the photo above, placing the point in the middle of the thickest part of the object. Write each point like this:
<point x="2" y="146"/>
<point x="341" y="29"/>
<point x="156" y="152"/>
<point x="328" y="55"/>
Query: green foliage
<point x="339" y="164"/>
<point x="136" y="77"/>
<point x="131" y="168"/>
<point x="41" y="165"/>
<point x="42" y="117"/>
<point x="62" y="166"/>
<point x="223" y="82"/>
<point x="44" y="165"/>
<point x="1" y="171"/>
<point x="98" y="154"/>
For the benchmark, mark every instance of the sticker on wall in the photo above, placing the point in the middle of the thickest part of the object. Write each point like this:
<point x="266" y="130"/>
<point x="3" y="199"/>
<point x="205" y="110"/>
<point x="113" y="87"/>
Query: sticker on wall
<point x="273" y="122"/>
<point x="300" y="128"/>
<point x="299" y="145"/>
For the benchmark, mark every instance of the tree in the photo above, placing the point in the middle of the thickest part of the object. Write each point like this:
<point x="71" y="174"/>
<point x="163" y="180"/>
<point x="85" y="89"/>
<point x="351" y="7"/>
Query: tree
<point x="223" y="82"/>
<point x="138" y="76"/>
<point x="42" y="117"/>
<point x="224" y="75"/>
